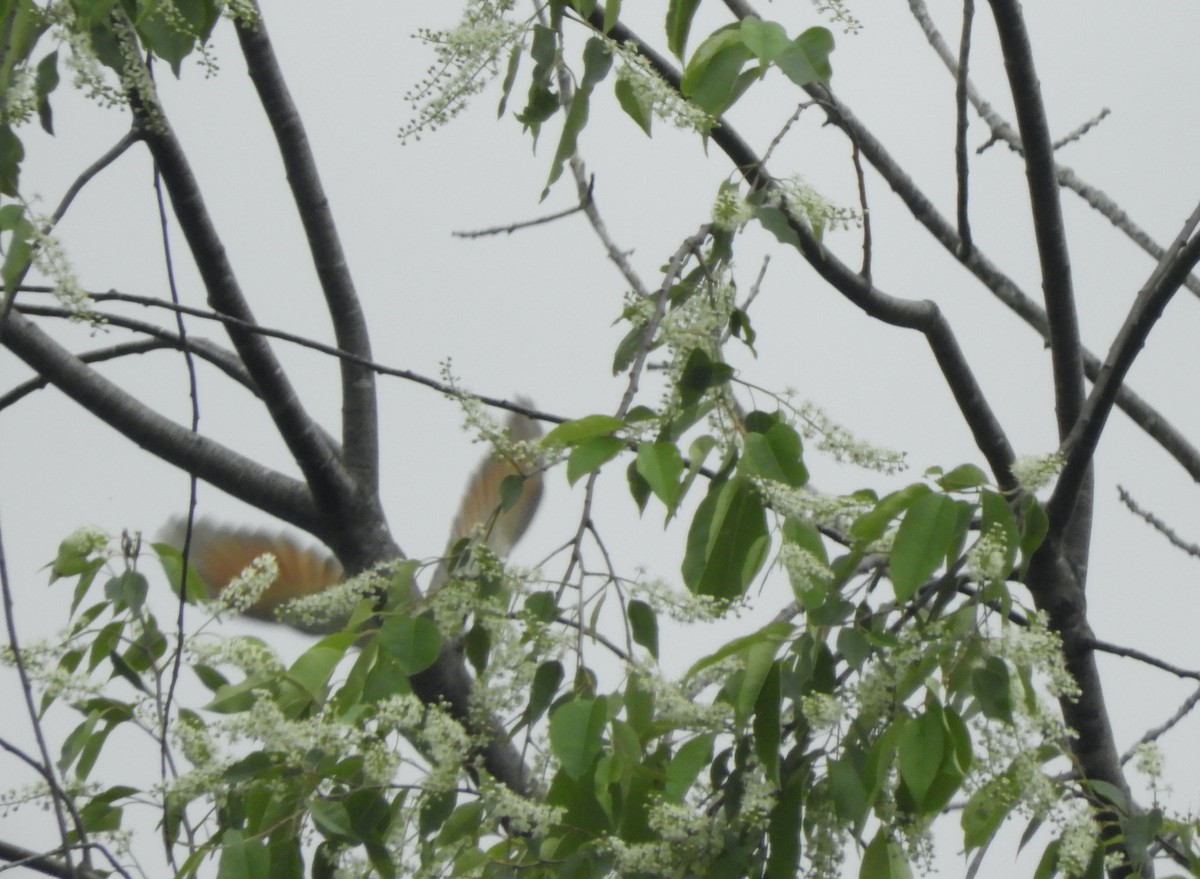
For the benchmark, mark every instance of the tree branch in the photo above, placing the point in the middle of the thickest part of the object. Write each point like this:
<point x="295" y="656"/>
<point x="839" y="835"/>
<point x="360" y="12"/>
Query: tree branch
<point x="1177" y="263"/>
<point x="333" y="488"/>
<point x="360" y="417"/>
<point x="923" y="316"/>
<point x="1065" y="349"/>
<point x="281" y="496"/>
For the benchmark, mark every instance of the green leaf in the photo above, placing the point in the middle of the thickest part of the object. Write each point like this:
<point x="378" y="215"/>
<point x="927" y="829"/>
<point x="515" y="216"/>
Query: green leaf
<point x="45" y="82"/>
<point x="784" y="830"/>
<point x="661" y="464"/>
<point x="922" y="749"/>
<point x="870" y="526"/>
<point x="1035" y="525"/>
<point x="962" y="477"/>
<point x="413" y="642"/>
<point x="685" y="767"/>
<point x="315" y="666"/>
<point x="925" y="534"/>
<point x="639" y="488"/>
<point x="546" y="680"/>
<point x="590" y="455"/>
<point x="850" y="798"/>
<point x="572" y="433"/>
<point x="700" y="373"/>
<point x="728" y="540"/>
<point x="644" y="625"/>
<point x="998" y="519"/>
<point x="20" y="242"/>
<point x="777" y="223"/>
<point x="512" y="487"/>
<point x="991" y="685"/>
<point x="710" y="79"/>
<point x="128" y="590"/>
<point x="575" y="734"/>
<point x="806" y="60"/>
<point x="510" y="77"/>
<point x="597" y="60"/>
<point x="242" y="858"/>
<point x="766" y="39"/>
<point x="776" y="455"/>
<point x="679" y="24"/>
<point x="884" y="859"/>
<point x="612" y="12"/>
<point x="986" y="810"/>
<point x="331" y="819"/>
<point x="773" y="634"/>
<point x="767" y="722"/>
<point x="638" y="106"/>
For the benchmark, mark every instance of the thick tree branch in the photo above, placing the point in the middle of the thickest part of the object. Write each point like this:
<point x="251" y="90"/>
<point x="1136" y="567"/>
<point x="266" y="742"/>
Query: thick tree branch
<point x="161" y="339"/>
<point x="334" y="489"/>
<point x="1065" y="350"/>
<point x="281" y="496"/>
<point x="1168" y="276"/>
<point x="360" y="418"/>
<point x="1001" y="286"/>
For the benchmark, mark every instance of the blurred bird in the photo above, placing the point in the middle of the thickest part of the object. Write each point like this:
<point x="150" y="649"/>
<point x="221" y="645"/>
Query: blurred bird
<point x="220" y="553"/>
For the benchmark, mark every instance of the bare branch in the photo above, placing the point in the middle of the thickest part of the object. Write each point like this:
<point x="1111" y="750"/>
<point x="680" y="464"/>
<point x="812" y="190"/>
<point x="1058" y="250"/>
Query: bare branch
<point x="281" y="496"/>
<point x="360" y="417"/>
<point x="1157" y="732"/>
<point x="526" y="224"/>
<point x="332" y="485"/>
<point x="962" y="165"/>
<point x="1002" y="131"/>
<point x="924" y="316"/>
<point x="1177" y="263"/>
<point x="205" y="350"/>
<point x="1158" y="524"/>
<point x="1065" y="348"/>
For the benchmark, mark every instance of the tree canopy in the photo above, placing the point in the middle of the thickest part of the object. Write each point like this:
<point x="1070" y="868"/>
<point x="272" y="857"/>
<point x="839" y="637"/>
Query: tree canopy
<point x="844" y="659"/>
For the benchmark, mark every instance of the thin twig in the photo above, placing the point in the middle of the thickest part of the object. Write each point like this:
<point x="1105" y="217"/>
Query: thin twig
<point x="58" y="797"/>
<point x="311" y="344"/>
<point x="527" y="224"/>
<point x="1157" y="732"/>
<point x="1083" y="129"/>
<point x="1158" y="524"/>
<point x="1143" y="657"/>
<point x="165" y="760"/>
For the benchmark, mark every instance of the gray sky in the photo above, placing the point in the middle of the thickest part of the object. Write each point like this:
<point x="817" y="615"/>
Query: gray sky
<point x="531" y="313"/>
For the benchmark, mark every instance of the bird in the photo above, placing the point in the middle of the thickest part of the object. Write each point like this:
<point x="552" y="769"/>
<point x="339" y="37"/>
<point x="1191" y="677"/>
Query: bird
<point x="218" y="553"/>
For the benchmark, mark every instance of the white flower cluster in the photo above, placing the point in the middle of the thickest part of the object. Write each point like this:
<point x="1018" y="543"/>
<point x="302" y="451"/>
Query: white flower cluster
<point x="987" y="559"/>
<point x="1077" y="842"/>
<point x="805" y="203"/>
<point x="838" y="441"/>
<point x="822" y="710"/>
<point x="332" y="606"/>
<point x="1035" y="472"/>
<point x="730" y="211"/>
<point x="679" y="708"/>
<point x="1037" y="646"/>
<point x="656" y="93"/>
<point x="466" y="58"/>
<point x="681" y="605"/>
<point x="244" y="590"/>
<point x="838" y="11"/>
<point x="805" y="571"/>
<point x="525" y="816"/>
<point x="50" y="258"/>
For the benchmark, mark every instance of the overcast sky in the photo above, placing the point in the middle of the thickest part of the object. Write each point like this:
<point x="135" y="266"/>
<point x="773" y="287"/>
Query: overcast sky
<point x="531" y="313"/>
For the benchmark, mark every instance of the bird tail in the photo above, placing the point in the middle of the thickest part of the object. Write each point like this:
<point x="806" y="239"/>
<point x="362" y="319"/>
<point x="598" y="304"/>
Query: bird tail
<point x="220" y="553"/>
